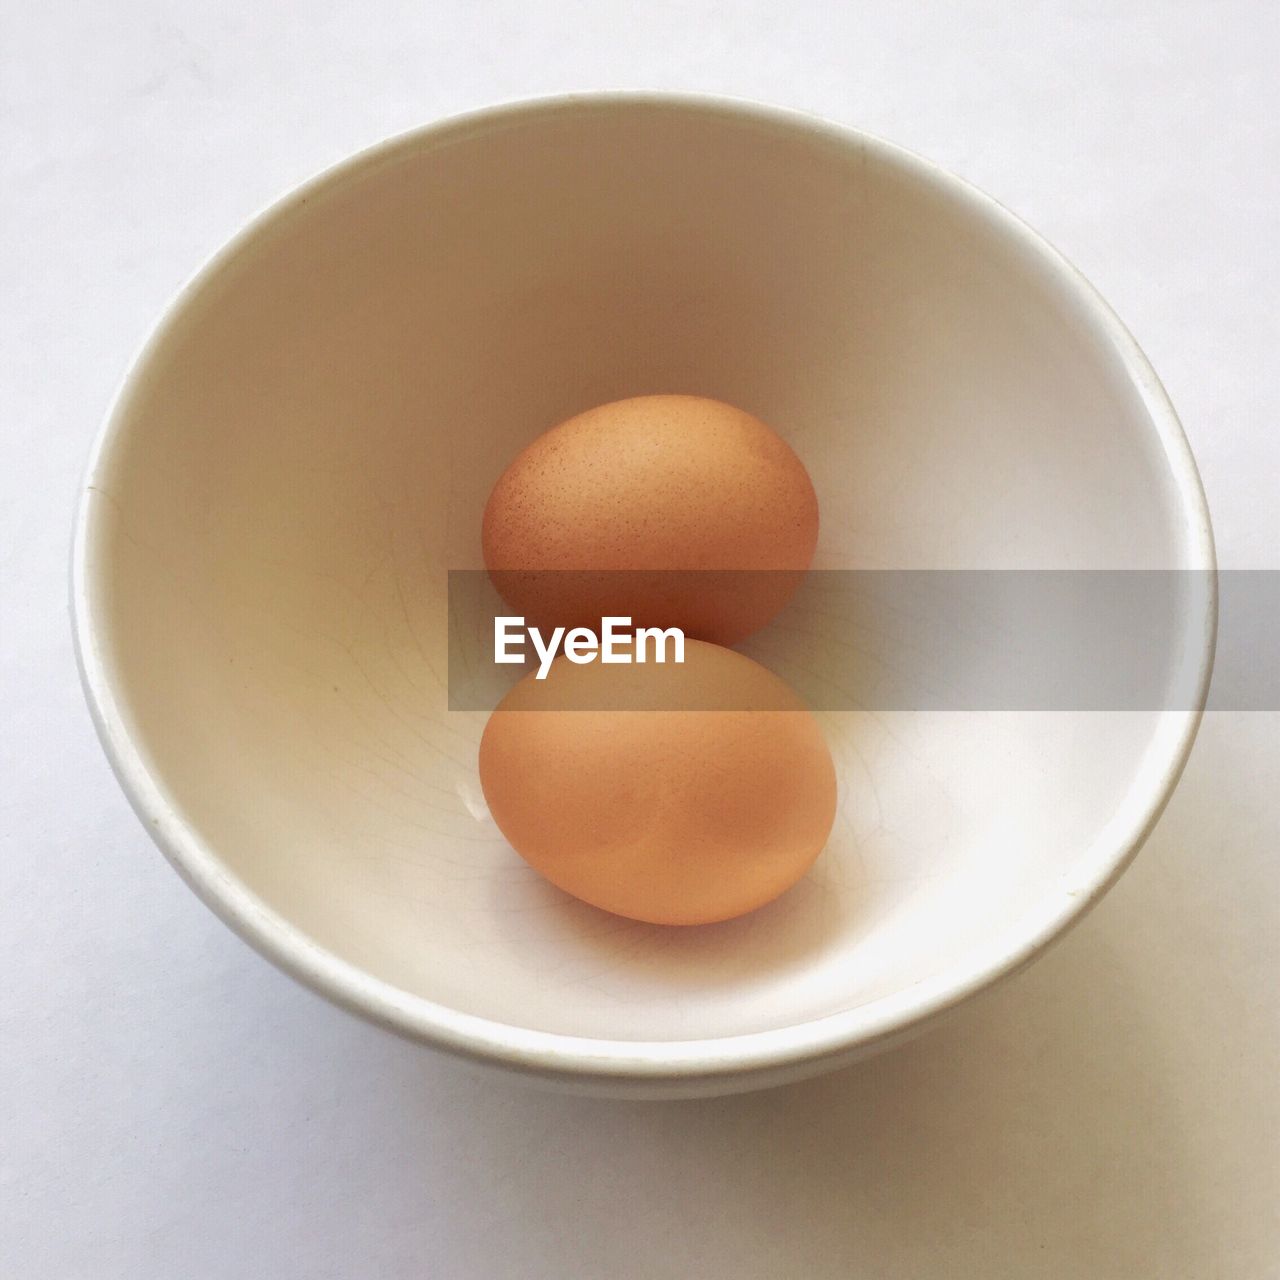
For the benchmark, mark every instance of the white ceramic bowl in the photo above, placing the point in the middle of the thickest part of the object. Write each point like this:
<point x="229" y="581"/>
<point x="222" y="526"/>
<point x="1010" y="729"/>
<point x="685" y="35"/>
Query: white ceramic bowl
<point x="305" y="445"/>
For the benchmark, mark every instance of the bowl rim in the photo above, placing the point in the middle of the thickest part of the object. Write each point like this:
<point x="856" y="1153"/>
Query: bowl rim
<point x="731" y="1061"/>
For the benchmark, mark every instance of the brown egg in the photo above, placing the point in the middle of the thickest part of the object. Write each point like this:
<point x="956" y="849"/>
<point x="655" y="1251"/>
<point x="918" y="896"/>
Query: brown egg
<point x="676" y="794"/>
<point x="671" y="510"/>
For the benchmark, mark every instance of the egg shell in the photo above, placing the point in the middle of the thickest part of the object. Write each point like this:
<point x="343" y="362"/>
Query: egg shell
<point x="675" y="794"/>
<point x="672" y="510"/>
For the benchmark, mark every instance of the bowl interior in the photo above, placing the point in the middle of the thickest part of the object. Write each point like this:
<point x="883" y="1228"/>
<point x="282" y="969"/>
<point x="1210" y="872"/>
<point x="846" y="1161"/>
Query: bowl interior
<point x="306" y="447"/>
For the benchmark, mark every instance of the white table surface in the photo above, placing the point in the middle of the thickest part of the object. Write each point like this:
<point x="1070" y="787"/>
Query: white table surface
<point x="171" y="1106"/>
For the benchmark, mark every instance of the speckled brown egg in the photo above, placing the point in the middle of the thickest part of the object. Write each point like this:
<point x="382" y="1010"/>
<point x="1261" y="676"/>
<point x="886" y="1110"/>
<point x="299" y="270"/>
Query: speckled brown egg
<point x="674" y="794"/>
<point x="672" y="510"/>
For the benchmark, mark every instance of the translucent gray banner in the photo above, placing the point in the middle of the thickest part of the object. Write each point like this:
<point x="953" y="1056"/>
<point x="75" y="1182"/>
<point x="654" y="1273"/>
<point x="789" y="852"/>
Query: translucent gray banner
<point x="932" y="640"/>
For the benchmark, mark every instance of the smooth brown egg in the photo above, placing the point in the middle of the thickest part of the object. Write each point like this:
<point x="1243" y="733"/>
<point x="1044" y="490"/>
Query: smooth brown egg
<point x="671" y="510"/>
<point x="675" y="794"/>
